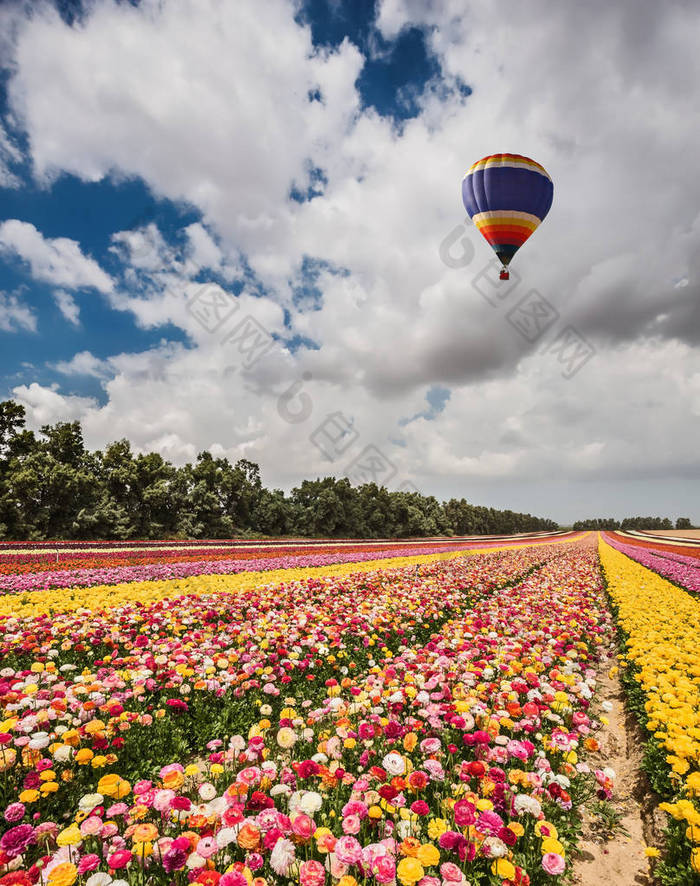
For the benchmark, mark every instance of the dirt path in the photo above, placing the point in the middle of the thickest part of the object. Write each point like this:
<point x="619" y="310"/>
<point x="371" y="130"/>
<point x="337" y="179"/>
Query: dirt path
<point x="621" y="860"/>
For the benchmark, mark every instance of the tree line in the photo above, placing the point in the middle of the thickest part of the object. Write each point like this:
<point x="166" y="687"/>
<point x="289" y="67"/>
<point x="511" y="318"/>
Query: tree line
<point x="53" y="487"/>
<point x="610" y="523"/>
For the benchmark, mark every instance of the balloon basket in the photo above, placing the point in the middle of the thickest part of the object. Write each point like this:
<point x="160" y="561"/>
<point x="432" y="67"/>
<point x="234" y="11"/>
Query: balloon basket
<point x="504" y="275"/>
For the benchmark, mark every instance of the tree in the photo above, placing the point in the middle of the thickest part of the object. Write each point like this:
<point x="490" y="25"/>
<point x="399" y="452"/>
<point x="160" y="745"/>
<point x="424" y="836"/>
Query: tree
<point x="683" y="523"/>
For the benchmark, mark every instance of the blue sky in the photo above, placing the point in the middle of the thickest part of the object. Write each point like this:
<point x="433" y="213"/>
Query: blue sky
<point x="184" y="180"/>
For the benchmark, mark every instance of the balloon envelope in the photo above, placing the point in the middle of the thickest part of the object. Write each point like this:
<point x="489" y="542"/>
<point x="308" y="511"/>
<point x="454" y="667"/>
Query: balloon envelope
<point x="507" y="196"/>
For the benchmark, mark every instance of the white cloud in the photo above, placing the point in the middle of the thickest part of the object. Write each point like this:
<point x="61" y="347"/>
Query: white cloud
<point x="59" y="261"/>
<point x="14" y="315"/>
<point x="10" y="155"/>
<point x="83" y="363"/>
<point x="68" y="306"/>
<point x="47" y="406"/>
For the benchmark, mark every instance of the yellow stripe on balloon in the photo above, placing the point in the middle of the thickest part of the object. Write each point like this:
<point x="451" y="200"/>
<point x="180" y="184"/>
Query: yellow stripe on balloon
<point x="521" y="219"/>
<point x="507" y="162"/>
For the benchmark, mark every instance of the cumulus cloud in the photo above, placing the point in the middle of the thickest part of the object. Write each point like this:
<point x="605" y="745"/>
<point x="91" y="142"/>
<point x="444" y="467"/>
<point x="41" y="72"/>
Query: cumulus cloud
<point x="15" y="315"/>
<point x="59" y="261"/>
<point x="68" y="306"/>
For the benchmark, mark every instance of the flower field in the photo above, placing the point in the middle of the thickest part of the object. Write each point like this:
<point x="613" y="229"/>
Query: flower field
<point x="424" y="714"/>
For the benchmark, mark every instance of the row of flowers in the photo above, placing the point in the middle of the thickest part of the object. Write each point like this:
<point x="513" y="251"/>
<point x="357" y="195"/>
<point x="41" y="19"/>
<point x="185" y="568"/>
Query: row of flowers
<point x="12" y="563"/>
<point x="659" y="627"/>
<point x="450" y="761"/>
<point x="143" y="681"/>
<point x="681" y="570"/>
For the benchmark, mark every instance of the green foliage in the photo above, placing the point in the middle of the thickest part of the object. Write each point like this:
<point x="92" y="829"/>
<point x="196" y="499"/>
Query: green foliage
<point x="610" y="523"/>
<point x="52" y="487"/>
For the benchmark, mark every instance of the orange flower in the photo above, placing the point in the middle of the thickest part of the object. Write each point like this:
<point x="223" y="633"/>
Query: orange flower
<point x="173" y="779"/>
<point x="248" y="837"/>
<point x="410" y="740"/>
<point x="145" y="833"/>
<point x="410" y="847"/>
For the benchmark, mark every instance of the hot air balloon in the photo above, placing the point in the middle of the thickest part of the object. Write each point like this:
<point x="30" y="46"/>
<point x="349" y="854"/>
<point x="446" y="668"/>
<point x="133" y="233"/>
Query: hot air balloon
<point x="507" y="196"/>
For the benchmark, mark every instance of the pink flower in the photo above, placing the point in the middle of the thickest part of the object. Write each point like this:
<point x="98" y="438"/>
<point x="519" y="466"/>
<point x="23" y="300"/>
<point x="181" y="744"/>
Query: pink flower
<point x="234" y="878"/>
<point x="14" y="812"/>
<point x="91" y="826"/>
<point x="351" y="824"/>
<point x="119" y="859"/>
<point x="384" y="869"/>
<point x="489" y="823"/>
<point x="553" y="863"/>
<point x="207" y="847"/>
<point x="451" y="872"/>
<point x="355" y="807"/>
<point x="312" y="873"/>
<point x="465" y="814"/>
<point x="303" y="826"/>
<point x="88" y="863"/>
<point x="17" y="840"/>
<point x="348" y="850"/>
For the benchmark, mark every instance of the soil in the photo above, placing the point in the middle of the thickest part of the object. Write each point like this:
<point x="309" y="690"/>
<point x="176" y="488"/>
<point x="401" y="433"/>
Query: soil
<point x="620" y="861"/>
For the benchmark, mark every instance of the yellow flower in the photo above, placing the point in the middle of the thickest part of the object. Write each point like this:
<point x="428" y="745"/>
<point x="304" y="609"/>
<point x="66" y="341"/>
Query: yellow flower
<point x="428" y="855"/>
<point x="503" y="868"/>
<point x="436" y="828"/>
<point x="550" y="844"/>
<point x="286" y="737"/>
<point x="70" y="836"/>
<point x="64" y="874"/>
<point x="651" y="852"/>
<point x="29" y="796"/>
<point x="409" y="871"/>
<point x="695" y="860"/>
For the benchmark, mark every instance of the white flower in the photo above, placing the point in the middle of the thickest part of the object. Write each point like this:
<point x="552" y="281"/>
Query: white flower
<point x="237" y="743"/>
<point x="528" y="804"/>
<point x="282" y="857"/>
<point x="226" y="836"/>
<point x="195" y="861"/>
<point x="394" y="763"/>
<point x="63" y="753"/>
<point x="496" y="848"/>
<point x="311" y="802"/>
<point x="207" y="791"/>
<point x="99" y="879"/>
